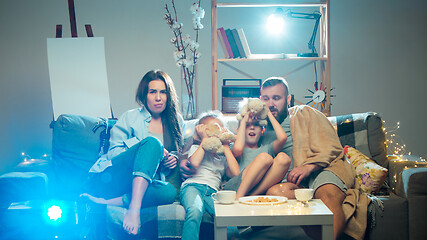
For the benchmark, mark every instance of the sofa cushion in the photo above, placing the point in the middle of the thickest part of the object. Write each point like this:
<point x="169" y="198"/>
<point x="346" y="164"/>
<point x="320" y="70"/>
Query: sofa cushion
<point x="369" y="175"/>
<point x="76" y="145"/>
<point x="363" y="131"/>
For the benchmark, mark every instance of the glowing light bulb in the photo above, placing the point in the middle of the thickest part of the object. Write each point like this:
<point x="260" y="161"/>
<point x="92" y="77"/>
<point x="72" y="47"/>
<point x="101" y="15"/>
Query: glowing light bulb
<point x="275" y="24"/>
<point x="54" y="212"/>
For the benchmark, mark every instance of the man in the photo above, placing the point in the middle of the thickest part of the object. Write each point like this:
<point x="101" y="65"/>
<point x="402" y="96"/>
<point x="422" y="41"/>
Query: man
<point x="315" y="150"/>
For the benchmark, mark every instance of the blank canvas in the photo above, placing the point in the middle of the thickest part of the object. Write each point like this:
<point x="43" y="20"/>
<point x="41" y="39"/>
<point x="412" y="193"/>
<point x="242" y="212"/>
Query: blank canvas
<point x="78" y="76"/>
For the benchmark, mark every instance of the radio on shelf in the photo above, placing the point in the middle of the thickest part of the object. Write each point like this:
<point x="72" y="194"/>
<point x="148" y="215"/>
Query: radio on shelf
<point x="234" y="90"/>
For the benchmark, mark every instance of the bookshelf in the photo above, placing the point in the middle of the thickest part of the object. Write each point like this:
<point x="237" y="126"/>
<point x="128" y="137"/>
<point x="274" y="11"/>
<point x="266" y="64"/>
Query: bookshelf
<point x="324" y="49"/>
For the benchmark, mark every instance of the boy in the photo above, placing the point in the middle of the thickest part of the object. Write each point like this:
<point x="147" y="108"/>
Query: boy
<point x="259" y="170"/>
<point x="196" y="191"/>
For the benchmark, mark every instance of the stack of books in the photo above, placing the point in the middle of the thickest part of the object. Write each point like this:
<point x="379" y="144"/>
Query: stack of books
<point x="233" y="43"/>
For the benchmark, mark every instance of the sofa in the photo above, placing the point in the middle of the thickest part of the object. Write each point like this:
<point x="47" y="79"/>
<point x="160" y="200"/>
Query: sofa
<point x="79" y="140"/>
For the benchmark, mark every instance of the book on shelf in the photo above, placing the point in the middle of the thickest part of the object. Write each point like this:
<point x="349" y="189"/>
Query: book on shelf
<point x="232" y="43"/>
<point x="244" y="42"/>
<point x="238" y="43"/>
<point x="221" y="41"/>
<point x="226" y="42"/>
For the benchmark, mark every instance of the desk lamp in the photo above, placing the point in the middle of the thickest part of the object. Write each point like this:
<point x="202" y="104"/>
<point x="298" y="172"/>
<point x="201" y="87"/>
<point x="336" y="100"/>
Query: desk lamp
<point x="276" y="20"/>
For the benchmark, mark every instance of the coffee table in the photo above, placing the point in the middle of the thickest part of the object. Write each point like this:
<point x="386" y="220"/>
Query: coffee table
<point x="291" y="213"/>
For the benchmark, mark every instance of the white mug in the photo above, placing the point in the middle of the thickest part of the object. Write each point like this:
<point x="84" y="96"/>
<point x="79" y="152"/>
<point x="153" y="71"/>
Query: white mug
<point x="304" y="194"/>
<point x="224" y="196"/>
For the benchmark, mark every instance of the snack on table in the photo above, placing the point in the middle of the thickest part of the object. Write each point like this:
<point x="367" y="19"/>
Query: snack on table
<point x="263" y="200"/>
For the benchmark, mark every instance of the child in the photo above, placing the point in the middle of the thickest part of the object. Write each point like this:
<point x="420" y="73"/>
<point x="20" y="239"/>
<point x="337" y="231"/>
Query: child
<point x="196" y="191"/>
<point x="259" y="170"/>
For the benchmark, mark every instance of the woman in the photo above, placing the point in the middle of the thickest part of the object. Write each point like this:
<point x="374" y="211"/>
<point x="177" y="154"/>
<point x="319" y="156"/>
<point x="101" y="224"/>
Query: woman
<point x="133" y="171"/>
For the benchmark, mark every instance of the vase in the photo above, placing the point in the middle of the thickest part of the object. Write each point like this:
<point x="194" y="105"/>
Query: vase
<point x="189" y="95"/>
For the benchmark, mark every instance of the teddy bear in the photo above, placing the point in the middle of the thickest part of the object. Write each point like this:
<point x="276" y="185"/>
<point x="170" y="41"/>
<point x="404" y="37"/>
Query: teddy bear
<point x="217" y="136"/>
<point x="256" y="107"/>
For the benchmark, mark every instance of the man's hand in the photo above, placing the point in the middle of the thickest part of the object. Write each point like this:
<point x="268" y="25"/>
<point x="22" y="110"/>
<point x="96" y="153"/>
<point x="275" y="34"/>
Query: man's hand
<point x="297" y="174"/>
<point x="185" y="170"/>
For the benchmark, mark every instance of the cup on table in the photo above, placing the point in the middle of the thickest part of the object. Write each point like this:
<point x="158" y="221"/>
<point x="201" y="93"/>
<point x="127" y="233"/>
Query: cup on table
<point x="224" y="196"/>
<point x="304" y="194"/>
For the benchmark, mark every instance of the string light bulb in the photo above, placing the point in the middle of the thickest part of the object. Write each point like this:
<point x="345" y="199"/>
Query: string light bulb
<point x="394" y="147"/>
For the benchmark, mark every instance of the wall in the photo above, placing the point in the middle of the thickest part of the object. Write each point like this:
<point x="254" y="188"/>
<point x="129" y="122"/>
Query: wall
<point x="377" y="61"/>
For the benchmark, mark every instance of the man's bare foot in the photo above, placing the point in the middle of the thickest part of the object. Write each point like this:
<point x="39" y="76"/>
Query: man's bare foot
<point x="93" y="199"/>
<point x="132" y="221"/>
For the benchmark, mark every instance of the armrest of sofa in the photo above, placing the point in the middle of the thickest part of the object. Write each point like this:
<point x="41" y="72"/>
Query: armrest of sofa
<point x="414" y="186"/>
<point x="414" y="182"/>
<point x="397" y="166"/>
<point x="22" y="186"/>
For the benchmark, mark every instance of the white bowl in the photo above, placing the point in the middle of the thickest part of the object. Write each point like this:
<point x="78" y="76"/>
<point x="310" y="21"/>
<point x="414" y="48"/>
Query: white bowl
<point x="304" y="194"/>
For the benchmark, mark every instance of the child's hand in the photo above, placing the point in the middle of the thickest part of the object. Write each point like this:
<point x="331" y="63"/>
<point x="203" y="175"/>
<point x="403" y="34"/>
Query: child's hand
<point x="245" y="119"/>
<point x="201" y="131"/>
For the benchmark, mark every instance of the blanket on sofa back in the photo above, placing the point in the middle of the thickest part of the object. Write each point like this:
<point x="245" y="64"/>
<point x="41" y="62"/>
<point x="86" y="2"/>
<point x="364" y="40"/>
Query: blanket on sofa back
<point x="316" y="141"/>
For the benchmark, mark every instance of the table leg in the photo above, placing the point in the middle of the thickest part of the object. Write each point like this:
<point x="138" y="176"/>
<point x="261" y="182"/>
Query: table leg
<point x="327" y="232"/>
<point x="220" y="233"/>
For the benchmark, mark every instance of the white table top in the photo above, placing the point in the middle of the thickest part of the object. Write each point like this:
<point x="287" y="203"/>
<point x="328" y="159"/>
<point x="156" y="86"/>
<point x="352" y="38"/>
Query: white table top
<point x="288" y="213"/>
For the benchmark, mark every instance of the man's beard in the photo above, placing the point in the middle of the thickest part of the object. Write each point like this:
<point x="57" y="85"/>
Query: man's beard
<point x="281" y="114"/>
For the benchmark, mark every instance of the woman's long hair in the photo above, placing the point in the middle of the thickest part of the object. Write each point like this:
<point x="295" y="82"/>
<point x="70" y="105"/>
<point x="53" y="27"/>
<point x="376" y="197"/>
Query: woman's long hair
<point x="172" y="135"/>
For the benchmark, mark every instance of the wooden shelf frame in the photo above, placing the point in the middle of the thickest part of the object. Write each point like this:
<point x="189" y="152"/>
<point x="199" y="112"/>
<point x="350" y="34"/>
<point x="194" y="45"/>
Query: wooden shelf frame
<point x="324" y="49"/>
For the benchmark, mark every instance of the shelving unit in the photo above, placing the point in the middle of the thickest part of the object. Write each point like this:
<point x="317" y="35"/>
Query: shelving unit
<point x="324" y="50"/>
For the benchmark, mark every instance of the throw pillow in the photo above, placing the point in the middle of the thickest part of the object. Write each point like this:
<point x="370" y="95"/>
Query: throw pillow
<point x="370" y="175"/>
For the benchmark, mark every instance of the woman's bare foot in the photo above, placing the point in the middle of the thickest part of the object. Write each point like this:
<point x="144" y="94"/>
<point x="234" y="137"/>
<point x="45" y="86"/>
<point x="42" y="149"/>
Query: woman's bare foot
<point x="132" y="221"/>
<point x="93" y="199"/>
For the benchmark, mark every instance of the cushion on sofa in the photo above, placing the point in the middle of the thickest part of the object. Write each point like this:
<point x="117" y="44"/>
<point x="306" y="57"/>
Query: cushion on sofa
<point x="363" y="131"/>
<point x="369" y="175"/>
<point x="76" y="144"/>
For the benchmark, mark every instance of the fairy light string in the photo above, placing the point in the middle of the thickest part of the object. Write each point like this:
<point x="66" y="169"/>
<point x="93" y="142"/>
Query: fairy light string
<point x="394" y="142"/>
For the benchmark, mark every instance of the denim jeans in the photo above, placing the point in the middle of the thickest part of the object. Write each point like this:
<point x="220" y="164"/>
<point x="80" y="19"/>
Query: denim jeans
<point x="143" y="160"/>
<point x="196" y="199"/>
